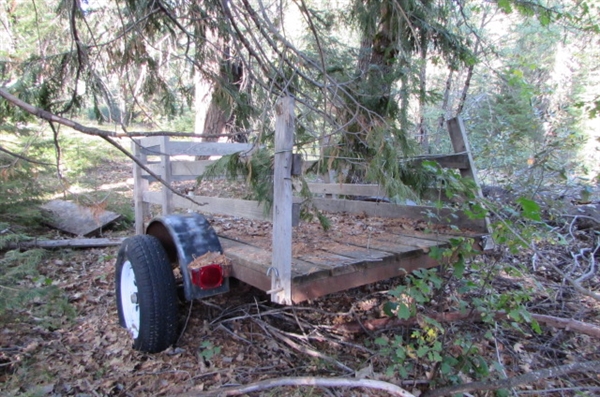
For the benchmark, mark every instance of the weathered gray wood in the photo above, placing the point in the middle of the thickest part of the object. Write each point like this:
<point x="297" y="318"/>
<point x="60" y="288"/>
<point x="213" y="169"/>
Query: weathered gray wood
<point x="250" y="209"/>
<point x="281" y="277"/>
<point x="346" y="189"/>
<point x="386" y="210"/>
<point x="165" y="172"/>
<point x="456" y="160"/>
<point x="76" y="219"/>
<point x="460" y="143"/>
<point x="181" y="170"/>
<point x="190" y="148"/>
<point x="140" y="185"/>
<point x="215" y="205"/>
<point x="71" y="243"/>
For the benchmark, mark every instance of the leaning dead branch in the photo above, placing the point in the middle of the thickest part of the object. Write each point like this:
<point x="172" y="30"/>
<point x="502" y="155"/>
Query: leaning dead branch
<point x="309" y="382"/>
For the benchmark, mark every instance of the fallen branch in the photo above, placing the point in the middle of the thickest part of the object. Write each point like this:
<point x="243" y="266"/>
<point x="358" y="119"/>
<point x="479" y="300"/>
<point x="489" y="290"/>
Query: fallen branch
<point x="106" y="135"/>
<point x="307" y="381"/>
<point x="70" y="243"/>
<point x="529" y="378"/>
<point x="379" y="324"/>
<point x="308" y="351"/>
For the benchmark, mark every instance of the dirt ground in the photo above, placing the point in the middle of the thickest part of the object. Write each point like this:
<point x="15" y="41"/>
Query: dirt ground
<point x="240" y="338"/>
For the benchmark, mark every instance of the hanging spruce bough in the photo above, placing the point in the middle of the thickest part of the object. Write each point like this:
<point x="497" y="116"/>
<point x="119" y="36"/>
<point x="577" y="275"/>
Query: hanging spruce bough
<point x="353" y="78"/>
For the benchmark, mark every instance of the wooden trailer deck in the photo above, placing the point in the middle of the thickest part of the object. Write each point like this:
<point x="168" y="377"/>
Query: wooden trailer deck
<point x="294" y="261"/>
<point x="335" y="261"/>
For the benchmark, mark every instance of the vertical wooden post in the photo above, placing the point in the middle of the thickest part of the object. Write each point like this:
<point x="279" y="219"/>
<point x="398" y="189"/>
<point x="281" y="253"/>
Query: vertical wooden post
<point x="165" y="173"/>
<point x="281" y="271"/>
<point x="460" y="143"/>
<point x="140" y="185"/>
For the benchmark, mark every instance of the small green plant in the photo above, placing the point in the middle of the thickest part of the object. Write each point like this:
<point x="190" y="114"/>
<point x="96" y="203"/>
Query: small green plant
<point x="208" y="350"/>
<point x="462" y="287"/>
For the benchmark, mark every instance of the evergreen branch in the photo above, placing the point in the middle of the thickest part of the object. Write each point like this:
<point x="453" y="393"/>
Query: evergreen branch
<point x="106" y="135"/>
<point x="45" y="115"/>
<point x="21" y="157"/>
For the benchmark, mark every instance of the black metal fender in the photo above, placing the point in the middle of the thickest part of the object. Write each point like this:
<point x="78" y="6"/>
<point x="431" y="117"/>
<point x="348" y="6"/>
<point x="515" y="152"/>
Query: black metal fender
<point x="186" y="237"/>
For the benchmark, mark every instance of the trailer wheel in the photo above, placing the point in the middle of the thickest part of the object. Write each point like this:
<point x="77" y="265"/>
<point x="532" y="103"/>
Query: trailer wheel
<point x="146" y="294"/>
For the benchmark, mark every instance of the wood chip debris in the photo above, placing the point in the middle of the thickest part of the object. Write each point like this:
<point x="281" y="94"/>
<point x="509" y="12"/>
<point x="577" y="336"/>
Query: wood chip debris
<point x="211" y="258"/>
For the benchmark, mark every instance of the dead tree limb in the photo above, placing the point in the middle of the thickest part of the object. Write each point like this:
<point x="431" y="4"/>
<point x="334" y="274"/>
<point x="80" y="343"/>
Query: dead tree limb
<point x="308" y="381"/>
<point x="529" y="378"/>
<point x="389" y="322"/>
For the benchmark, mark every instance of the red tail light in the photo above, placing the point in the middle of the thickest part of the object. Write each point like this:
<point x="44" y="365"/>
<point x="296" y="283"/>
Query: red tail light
<point x="208" y="277"/>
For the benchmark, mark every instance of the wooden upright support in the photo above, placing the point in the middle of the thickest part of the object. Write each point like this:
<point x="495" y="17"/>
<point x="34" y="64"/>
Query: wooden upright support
<point x="140" y="185"/>
<point x="281" y="264"/>
<point x="165" y="174"/>
<point x="460" y="143"/>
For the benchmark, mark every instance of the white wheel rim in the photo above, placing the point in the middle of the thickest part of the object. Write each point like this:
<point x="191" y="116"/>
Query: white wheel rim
<point x="129" y="300"/>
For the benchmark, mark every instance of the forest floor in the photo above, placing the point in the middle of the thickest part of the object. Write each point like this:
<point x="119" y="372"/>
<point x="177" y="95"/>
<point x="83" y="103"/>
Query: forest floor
<point x="79" y="349"/>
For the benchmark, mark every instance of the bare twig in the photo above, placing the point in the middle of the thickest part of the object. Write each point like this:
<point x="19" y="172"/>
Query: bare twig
<point x="388" y="322"/>
<point x="24" y="158"/>
<point x="309" y="381"/>
<point x="531" y="377"/>
<point x="578" y="287"/>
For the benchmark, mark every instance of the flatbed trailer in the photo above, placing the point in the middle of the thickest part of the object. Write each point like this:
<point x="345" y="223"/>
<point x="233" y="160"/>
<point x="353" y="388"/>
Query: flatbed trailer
<point x="292" y="261"/>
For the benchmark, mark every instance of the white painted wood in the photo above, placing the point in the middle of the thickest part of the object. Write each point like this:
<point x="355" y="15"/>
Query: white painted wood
<point x="281" y="274"/>
<point x="140" y="185"/>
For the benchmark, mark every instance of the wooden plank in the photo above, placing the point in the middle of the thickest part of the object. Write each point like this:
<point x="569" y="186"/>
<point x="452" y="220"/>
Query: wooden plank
<point x="165" y="172"/>
<point x="215" y="205"/>
<point x="346" y="189"/>
<point x="410" y="241"/>
<point x="455" y="160"/>
<point x="76" y="219"/>
<point x="190" y="148"/>
<point x="250" y="264"/>
<point x="385" y="269"/>
<point x="225" y="206"/>
<point x="70" y="243"/>
<point x="181" y="170"/>
<point x="140" y="186"/>
<point x="460" y="143"/>
<point x="376" y="244"/>
<point x="281" y="277"/>
<point x="387" y="210"/>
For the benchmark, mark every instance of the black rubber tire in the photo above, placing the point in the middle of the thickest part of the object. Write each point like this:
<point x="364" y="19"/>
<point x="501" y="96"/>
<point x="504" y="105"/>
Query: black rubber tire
<point x="156" y="293"/>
